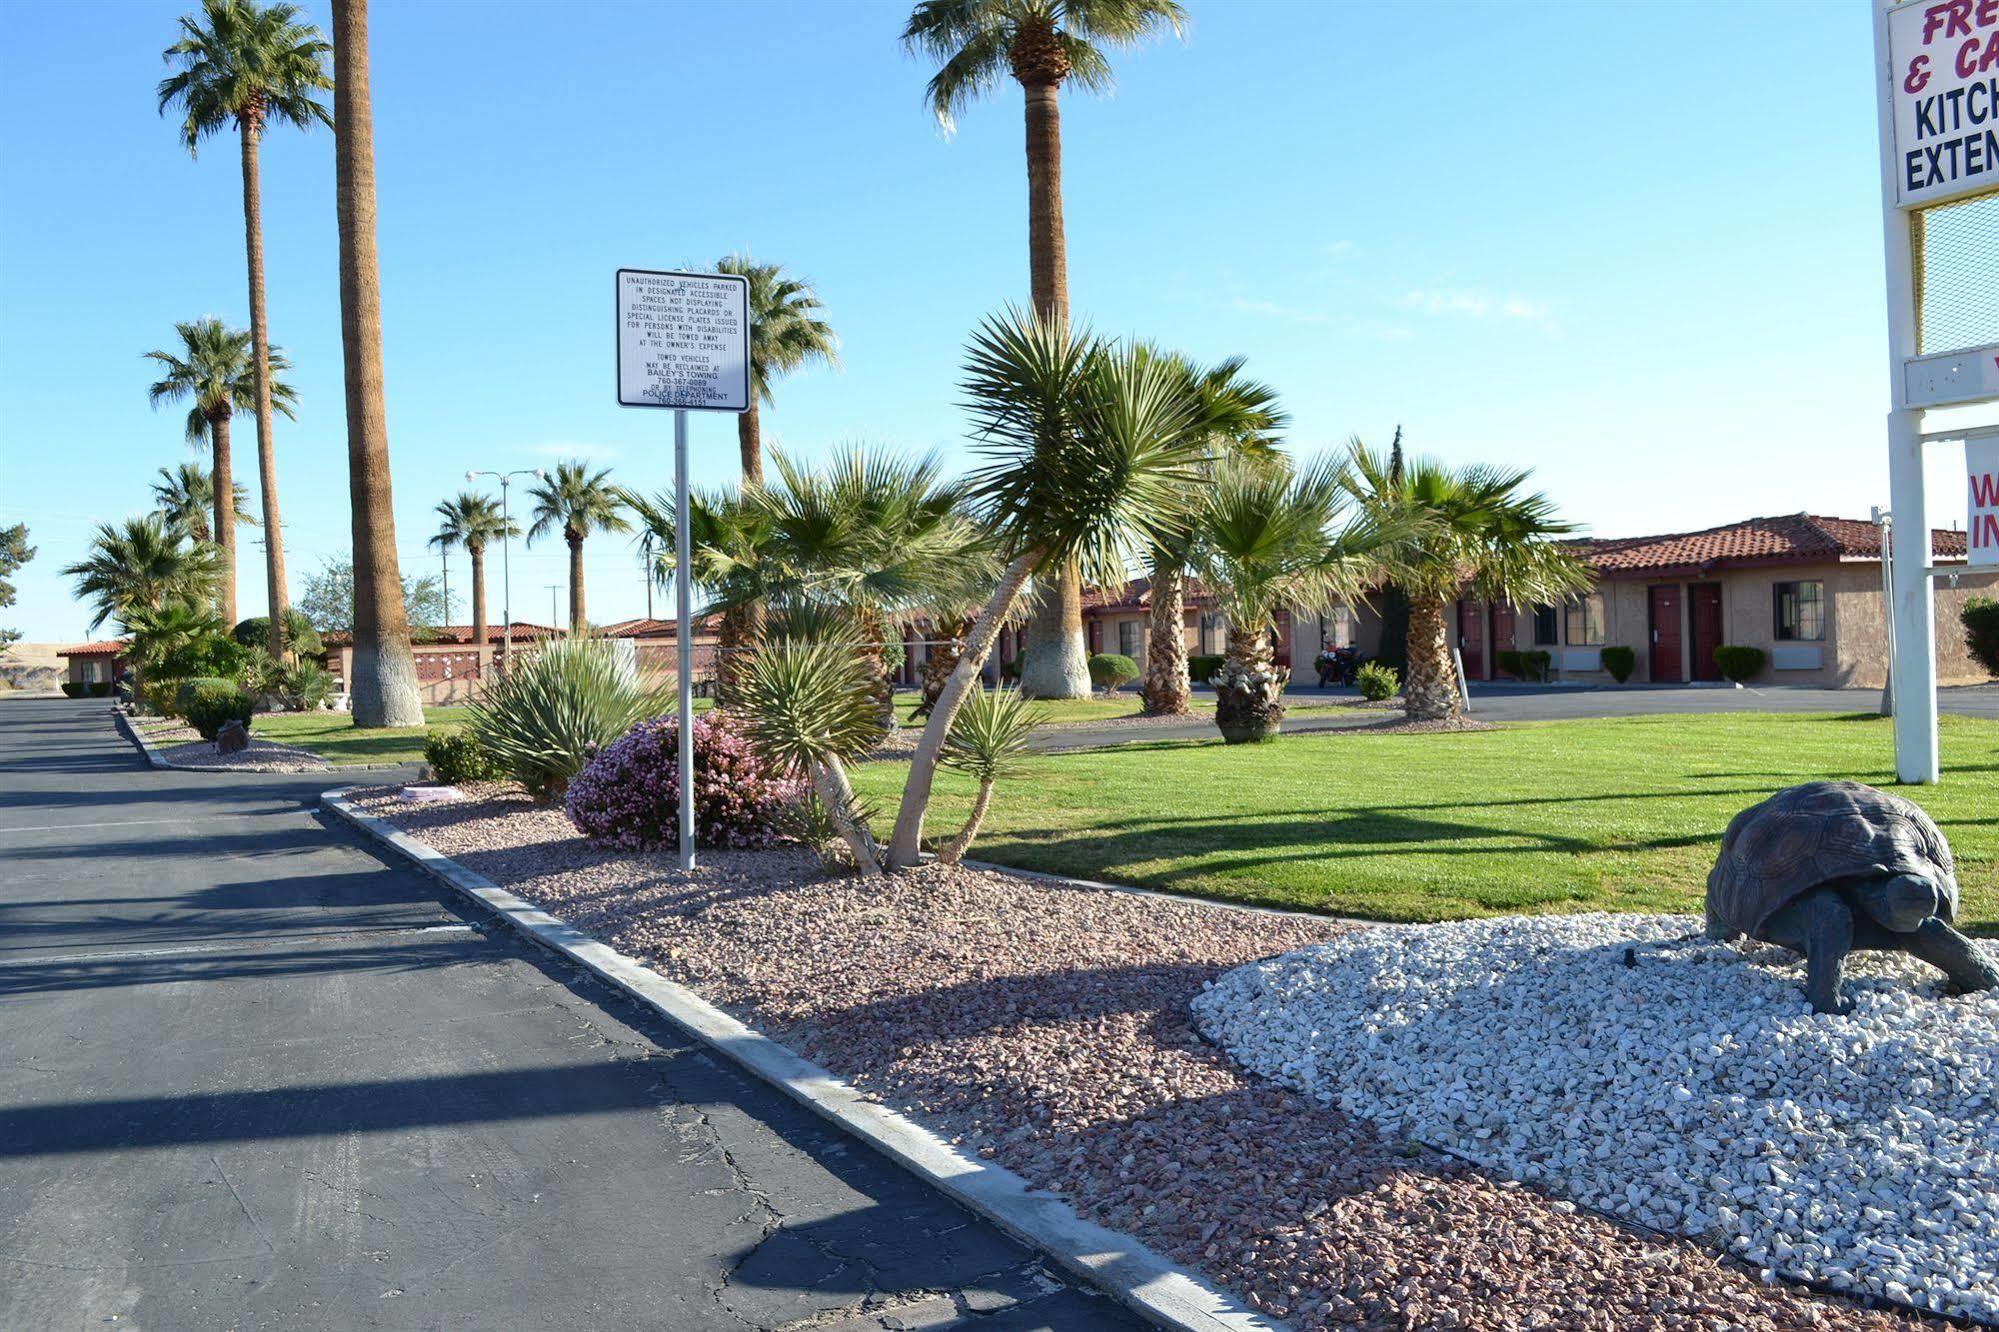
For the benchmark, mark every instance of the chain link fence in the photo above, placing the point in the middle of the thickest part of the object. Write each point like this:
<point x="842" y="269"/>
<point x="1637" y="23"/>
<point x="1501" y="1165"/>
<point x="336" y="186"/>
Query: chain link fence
<point x="1957" y="275"/>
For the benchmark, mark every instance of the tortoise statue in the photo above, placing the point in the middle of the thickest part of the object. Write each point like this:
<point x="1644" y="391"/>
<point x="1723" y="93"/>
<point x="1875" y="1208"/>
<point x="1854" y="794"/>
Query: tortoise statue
<point x="1827" y="867"/>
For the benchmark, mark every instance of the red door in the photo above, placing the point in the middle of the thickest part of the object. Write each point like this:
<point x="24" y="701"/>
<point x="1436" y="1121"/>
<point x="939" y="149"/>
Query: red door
<point x="1471" y="638"/>
<point x="1704" y="609"/>
<point x="1666" y="634"/>
<point x="1502" y="630"/>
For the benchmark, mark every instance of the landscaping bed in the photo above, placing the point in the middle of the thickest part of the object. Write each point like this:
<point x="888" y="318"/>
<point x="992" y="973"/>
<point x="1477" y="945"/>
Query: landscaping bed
<point x="1631" y="1064"/>
<point x="257" y="756"/>
<point x="1049" y="1028"/>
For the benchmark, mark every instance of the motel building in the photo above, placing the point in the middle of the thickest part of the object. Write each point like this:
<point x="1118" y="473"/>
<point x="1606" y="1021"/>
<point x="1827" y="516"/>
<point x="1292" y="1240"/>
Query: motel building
<point x="1804" y="589"/>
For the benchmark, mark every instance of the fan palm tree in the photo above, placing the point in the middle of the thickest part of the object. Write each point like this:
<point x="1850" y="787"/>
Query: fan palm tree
<point x="252" y="66"/>
<point x="1087" y="452"/>
<point x="576" y="503"/>
<point x="727" y="543"/>
<point x="1455" y="529"/>
<point x="1271" y="536"/>
<point x="1233" y="417"/>
<point x="186" y="496"/>
<point x="472" y="521"/>
<point x="786" y="333"/>
<point x="176" y="629"/>
<point x="384" y="683"/>
<point x="214" y="372"/>
<point x="1042" y="44"/>
<point x="142" y="564"/>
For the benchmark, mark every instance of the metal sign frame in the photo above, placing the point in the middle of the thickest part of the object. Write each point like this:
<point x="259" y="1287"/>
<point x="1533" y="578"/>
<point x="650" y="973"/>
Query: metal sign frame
<point x="1915" y="382"/>
<point x="683" y="583"/>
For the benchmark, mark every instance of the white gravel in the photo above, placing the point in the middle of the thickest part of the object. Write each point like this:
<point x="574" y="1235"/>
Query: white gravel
<point x="1694" y="1091"/>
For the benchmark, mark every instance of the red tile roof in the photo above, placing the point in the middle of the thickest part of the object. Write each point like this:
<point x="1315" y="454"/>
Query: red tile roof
<point x="653" y="627"/>
<point x="108" y="648"/>
<point x="1798" y="538"/>
<point x="452" y="633"/>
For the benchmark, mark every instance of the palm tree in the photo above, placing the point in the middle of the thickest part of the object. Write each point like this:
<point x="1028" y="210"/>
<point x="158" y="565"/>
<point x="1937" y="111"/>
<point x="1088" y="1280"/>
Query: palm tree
<point x="174" y="629"/>
<point x="1271" y="537"/>
<point x="1453" y="529"/>
<point x="785" y="333"/>
<point x="727" y="541"/>
<point x="1043" y="44"/>
<point x="215" y="372"/>
<point x="384" y="684"/>
<point x="1088" y="452"/>
<point x="577" y="503"/>
<point x="253" y="65"/>
<point x="186" y="496"/>
<point x="472" y="521"/>
<point x="1234" y="417"/>
<point x="142" y="564"/>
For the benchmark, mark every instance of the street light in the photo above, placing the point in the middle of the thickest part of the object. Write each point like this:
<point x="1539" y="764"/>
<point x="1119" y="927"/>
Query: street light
<point x="506" y="570"/>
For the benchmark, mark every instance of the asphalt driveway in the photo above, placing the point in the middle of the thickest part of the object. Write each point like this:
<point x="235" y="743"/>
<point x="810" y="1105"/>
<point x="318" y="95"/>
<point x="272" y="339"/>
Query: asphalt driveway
<point x="257" y="1077"/>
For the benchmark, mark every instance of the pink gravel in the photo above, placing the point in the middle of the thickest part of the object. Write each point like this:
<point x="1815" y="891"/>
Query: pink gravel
<point x="257" y="756"/>
<point x="1046" y="1027"/>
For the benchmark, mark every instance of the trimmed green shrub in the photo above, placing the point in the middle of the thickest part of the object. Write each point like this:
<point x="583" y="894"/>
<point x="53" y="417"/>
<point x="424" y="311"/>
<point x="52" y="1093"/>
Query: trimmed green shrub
<point x="1619" y="662"/>
<point x="1377" y="681"/>
<point x="1112" y="670"/>
<point x="1010" y="669"/>
<point x="1200" y="668"/>
<point x="455" y="756"/>
<point x="207" y="704"/>
<point x="159" y="695"/>
<point x="184" y="691"/>
<point x="1529" y="665"/>
<point x="100" y="688"/>
<point x="298" y="633"/>
<point x="1980" y="618"/>
<point x="548" y="716"/>
<point x="75" y="688"/>
<point x="1739" y="663"/>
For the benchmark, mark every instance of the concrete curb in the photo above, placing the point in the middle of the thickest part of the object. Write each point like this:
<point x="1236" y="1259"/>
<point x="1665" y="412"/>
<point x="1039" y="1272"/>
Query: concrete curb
<point x="1147" y="1283"/>
<point x="151" y="752"/>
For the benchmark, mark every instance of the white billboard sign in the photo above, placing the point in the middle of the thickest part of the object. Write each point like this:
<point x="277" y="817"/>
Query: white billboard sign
<point x="1944" y="72"/>
<point x="1981" y="475"/>
<point x="684" y="340"/>
<point x="1952" y="377"/>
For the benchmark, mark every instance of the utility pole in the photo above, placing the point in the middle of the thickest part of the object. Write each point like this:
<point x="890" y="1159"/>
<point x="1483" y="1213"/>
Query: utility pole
<point x="506" y="561"/>
<point x="553" y="618"/>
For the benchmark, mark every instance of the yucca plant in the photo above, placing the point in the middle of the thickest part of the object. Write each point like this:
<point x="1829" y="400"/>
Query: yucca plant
<point x="986" y="739"/>
<point x="810" y="706"/>
<point x="551" y="712"/>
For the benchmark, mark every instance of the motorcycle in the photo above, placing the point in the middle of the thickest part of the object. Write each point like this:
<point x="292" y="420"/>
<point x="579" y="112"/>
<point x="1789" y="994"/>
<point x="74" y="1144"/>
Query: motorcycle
<point x="1339" y="665"/>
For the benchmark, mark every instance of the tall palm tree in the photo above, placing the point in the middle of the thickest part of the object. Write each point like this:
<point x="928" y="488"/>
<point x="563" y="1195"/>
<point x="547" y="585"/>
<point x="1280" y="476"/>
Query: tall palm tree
<point x="472" y="521"/>
<point x="1043" y="44"/>
<point x="786" y="333"/>
<point x="185" y="495"/>
<point x="142" y="564"/>
<point x="1233" y="417"/>
<point x="1272" y="536"/>
<point x="384" y="683"/>
<point x="214" y="370"/>
<point x="1456" y="529"/>
<point x="576" y="503"/>
<point x="1088" y="452"/>
<point x="254" y="66"/>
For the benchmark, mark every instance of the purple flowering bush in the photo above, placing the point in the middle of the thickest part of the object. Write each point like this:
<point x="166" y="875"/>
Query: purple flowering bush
<point x="628" y="795"/>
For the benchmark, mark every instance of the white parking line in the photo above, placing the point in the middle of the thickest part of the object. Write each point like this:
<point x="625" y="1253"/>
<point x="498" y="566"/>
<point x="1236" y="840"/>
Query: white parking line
<point x="65" y="827"/>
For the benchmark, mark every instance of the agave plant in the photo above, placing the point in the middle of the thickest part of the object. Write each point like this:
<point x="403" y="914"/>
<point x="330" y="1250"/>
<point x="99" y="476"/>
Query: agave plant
<point x="548" y="715"/>
<point x="809" y="701"/>
<point x="985" y="742"/>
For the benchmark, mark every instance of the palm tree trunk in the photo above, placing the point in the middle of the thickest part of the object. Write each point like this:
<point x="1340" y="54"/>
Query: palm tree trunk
<point x="906" y="845"/>
<point x="1249" y="688"/>
<point x="954" y="851"/>
<point x="943" y="658"/>
<point x="225" y="517"/>
<point x="1055" y="662"/>
<point x="1166" y="690"/>
<point x="1430" y="692"/>
<point x="260" y="345"/>
<point x="1047" y="253"/>
<point x="478" y="554"/>
<point x="749" y="439"/>
<point x="579" y="624"/>
<point x="384" y="683"/>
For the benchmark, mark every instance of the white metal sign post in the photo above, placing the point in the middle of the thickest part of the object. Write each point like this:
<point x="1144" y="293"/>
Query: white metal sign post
<point x="684" y="344"/>
<point x="1937" y="69"/>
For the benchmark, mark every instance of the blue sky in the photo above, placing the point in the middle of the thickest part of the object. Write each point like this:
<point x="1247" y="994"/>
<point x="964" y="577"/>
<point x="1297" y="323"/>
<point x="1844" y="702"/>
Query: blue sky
<point x="1636" y="247"/>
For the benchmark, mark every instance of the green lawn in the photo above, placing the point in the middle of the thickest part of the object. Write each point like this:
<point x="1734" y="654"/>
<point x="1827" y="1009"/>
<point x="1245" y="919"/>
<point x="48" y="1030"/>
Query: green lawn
<point x="1056" y="711"/>
<point x="332" y="736"/>
<point x="1618" y="814"/>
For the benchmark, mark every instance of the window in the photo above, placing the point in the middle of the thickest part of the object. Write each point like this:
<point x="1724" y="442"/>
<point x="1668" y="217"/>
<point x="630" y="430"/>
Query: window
<point x="1801" y="611"/>
<point x="1585" y="617"/>
<point x="1127" y="639"/>
<point x="1547" y="627"/>
<point x="1209" y="626"/>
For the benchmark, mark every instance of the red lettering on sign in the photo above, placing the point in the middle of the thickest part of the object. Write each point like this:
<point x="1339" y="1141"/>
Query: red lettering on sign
<point x="1984" y="490"/>
<point x="1919" y="75"/>
<point x="1949" y="19"/>
<point x="1984" y="532"/>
